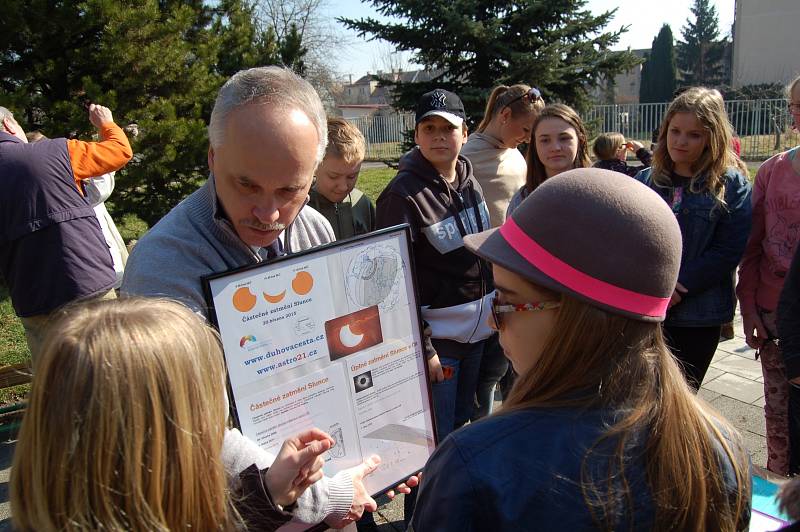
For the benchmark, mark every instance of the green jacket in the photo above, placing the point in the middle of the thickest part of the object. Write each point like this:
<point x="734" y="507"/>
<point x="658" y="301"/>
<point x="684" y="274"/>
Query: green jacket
<point x="353" y="216"/>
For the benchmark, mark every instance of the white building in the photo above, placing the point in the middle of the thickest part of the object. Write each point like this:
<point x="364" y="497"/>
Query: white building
<point x="766" y="41"/>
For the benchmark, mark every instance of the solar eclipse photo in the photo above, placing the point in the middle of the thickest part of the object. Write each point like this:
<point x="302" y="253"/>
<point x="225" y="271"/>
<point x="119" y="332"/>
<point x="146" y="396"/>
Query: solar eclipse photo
<point x="362" y="381"/>
<point x="353" y="332"/>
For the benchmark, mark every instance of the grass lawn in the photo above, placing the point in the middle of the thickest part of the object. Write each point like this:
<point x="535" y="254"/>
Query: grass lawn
<point x="13" y="348"/>
<point x="373" y="180"/>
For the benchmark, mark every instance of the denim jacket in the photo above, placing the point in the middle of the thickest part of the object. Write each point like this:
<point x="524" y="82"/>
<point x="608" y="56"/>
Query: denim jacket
<point x="714" y="238"/>
<point x="523" y="470"/>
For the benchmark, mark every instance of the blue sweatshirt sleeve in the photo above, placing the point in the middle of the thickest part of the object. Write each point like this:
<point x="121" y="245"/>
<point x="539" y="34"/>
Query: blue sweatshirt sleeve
<point x="447" y="499"/>
<point x="729" y="241"/>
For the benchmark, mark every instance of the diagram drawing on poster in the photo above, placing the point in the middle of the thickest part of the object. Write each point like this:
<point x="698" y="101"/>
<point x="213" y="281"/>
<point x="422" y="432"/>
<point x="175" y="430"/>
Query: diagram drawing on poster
<point x="304" y="326"/>
<point x="338" y="450"/>
<point x="373" y="277"/>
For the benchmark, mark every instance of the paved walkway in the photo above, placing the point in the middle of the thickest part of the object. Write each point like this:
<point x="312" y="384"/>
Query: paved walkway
<point x="733" y="386"/>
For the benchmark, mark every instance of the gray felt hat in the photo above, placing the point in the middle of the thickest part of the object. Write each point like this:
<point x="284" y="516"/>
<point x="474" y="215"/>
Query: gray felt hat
<point x="597" y="235"/>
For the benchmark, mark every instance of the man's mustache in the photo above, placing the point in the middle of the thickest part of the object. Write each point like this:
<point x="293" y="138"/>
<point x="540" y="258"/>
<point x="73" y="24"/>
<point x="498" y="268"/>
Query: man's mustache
<point x="274" y="226"/>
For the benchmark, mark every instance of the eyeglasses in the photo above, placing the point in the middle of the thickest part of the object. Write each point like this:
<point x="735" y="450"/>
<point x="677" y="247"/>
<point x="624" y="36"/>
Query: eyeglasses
<point x="794" y="107"/>
<point x="532" y="95"/>
<point x="498" y="309"/>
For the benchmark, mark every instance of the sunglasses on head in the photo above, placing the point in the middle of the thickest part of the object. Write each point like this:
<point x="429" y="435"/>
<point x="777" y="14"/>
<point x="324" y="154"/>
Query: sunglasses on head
<point x="498" y="309"/>
<point x="532" y="95"/>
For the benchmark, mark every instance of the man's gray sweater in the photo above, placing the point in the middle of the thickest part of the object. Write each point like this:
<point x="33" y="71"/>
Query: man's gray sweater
<point x="194" y="240"/>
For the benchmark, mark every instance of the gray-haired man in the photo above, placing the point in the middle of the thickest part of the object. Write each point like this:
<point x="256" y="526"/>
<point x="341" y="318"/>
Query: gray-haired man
<point x="267" y="134"/>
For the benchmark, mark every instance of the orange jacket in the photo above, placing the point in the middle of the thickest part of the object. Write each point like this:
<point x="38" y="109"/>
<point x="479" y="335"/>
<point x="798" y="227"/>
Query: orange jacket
<point x="91" y="159"/>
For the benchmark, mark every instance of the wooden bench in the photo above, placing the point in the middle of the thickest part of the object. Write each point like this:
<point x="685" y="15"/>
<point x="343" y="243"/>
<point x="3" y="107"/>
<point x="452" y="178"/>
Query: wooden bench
<point x="11" y="415"/>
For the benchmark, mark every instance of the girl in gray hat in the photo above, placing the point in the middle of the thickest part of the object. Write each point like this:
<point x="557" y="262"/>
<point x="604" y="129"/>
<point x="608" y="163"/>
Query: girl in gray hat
<point x="601" y="429"/>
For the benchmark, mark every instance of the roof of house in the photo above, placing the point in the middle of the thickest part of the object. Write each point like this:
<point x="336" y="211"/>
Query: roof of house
<point x="410" y="76"/>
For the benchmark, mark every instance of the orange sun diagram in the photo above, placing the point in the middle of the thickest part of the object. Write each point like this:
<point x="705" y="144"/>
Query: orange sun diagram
<point x="277" y="298"/>
<point x="302" y="283"/>
<point x="244" y="300"/>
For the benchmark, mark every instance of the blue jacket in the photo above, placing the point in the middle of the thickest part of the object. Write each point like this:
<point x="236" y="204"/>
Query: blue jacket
<point x="714" y="238"/>
<point x="522" y="471"/>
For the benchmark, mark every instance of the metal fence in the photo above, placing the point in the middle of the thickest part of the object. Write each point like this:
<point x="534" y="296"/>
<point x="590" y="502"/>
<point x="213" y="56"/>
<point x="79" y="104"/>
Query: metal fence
<point x="763" y="126"/>
<point x="384" y="134"/>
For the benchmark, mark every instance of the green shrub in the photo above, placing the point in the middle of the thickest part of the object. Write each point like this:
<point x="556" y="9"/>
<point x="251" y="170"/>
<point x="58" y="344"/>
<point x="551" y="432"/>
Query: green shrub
<point x="131" y="227"/>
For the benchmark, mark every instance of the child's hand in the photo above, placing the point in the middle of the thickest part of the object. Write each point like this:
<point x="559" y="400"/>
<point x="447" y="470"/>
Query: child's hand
<point x="362" y="502"/>
<point x="435" y="369"/>
<point x="405" y="487"/>
<point x="754" y="331"/>
<point x="297" y="466"/>
<point x="634" y="146"/>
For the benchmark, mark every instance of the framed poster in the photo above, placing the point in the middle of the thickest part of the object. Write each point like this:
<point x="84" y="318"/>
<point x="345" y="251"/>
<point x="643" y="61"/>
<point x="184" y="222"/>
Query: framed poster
<point x="330" y="338"/>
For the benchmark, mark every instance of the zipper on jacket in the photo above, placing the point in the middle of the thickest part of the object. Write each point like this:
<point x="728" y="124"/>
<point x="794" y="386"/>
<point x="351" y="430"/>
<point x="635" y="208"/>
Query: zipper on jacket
<point x="465" y="210"/>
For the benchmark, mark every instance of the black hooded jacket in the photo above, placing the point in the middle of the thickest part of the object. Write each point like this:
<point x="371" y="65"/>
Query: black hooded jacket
<point x="454" y="284"/>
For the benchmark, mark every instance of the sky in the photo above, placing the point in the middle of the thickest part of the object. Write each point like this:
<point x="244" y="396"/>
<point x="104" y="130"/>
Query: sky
<point x="645" y="18"/>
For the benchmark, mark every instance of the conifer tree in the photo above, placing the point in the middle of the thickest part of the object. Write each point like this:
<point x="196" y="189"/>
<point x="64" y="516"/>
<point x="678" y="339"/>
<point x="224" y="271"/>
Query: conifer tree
<point x="659" y="71"/>
<point x="292" y="50"/>
<point x="556" y="45"/>
<point x="701" y="53"/>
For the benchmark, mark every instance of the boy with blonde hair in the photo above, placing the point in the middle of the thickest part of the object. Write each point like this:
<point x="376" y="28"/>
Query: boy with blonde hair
<point x="333" y="194"/>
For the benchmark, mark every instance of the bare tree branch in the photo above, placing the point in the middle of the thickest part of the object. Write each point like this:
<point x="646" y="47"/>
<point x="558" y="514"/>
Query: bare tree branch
<point x="387" y="58"/>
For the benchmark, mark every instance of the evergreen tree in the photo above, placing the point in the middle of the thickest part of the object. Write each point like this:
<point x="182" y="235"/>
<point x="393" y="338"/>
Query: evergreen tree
<point x="148" y="61"/>
<point x="244" y="46"/>
<point x="292" y="50"/>
<point x="556" y="45"/>
<point x="237" y="32"/>
<point x="645" y="79"/>
<point x="659" y="72"/>
<point x="701" y="53"/>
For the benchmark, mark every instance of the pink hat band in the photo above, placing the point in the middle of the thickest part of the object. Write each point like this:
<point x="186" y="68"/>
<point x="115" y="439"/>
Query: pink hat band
<point x="595" y="235"/>
<point x="577" y="281"/>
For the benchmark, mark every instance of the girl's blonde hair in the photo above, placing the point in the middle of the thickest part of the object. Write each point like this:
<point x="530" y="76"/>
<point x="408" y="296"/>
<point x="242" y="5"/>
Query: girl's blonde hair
<point x="125" y="423"/>
<point x="597" y="360"/>
<point x="717" y="157"/>
<point x="606" y="145"/>
<point x="512" y="97"/>
<point x="536" y="173"/>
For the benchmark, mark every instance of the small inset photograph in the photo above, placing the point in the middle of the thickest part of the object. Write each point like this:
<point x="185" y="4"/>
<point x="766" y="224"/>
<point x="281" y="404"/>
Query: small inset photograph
<point x="353" y="332"/>
<point x="362" y="381"/>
